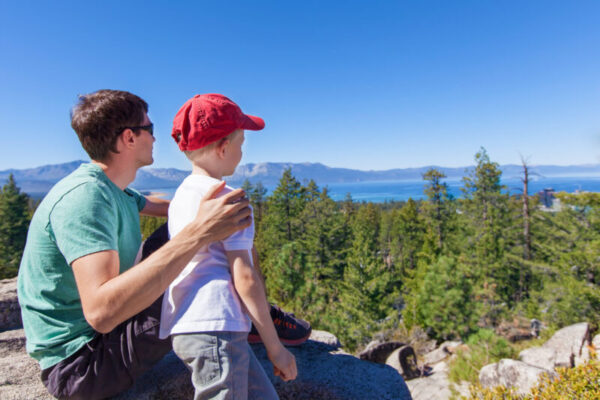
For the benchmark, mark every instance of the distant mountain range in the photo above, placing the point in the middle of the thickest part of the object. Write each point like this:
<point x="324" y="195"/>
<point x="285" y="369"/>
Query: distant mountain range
<point x="36" y="181"/>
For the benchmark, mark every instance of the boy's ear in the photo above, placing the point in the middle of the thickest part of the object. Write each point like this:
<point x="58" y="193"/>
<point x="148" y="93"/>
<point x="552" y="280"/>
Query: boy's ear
<point x="222" y="147"/>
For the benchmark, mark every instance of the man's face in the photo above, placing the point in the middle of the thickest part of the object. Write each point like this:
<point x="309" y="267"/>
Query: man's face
<point x="145" y="145"/>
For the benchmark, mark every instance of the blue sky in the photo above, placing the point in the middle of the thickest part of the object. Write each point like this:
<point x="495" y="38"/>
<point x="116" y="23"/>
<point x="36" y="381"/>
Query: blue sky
<point x="357" y="84"/>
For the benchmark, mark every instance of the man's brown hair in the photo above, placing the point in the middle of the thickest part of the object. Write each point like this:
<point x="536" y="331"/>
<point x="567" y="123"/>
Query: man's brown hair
<point x="100" y="117"/>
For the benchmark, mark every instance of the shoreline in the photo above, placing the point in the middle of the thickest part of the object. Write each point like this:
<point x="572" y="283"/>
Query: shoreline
<point x="153" y="194"/>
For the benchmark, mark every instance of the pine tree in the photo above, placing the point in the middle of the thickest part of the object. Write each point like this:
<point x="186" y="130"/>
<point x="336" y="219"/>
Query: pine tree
<point x="487" y="210"/>
<point x="368" y="293"/>
<point x="257" y="199"/>
<point x="444" y="300"/>
<point x="285" y="205"/>
<point x="14" y="221"/>
<point x="324" y="240"/>
<point x="280" y="227"/>
<point x="409" y="232"/>
<point x="437" y="211"/>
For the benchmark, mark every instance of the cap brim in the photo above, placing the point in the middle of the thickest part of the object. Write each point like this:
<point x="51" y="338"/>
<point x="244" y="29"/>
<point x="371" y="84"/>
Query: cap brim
<point x="253" y="123"/>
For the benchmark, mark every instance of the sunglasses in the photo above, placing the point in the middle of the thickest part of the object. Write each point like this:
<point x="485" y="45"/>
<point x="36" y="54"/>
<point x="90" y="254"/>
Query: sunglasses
<point x="149" y="128"/>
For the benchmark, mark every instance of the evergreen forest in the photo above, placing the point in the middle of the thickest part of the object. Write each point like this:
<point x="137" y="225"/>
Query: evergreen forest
<point x="451" y="267"/>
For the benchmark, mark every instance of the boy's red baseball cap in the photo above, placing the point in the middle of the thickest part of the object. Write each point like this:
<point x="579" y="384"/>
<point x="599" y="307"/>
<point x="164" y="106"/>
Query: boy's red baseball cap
<point x="206" y="118"/>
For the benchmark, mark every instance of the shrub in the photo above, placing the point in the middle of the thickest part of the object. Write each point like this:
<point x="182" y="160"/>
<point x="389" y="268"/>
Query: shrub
<point x="484" y="347"/>
<point x="581" y="383"/>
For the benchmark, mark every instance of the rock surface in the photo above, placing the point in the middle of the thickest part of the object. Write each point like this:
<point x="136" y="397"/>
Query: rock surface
<point x="325" y="371"/>
<point x="338" y="374"/>
<point x="569" y="345"/>
<point x="511" y="373"/>
<point x="379" y="352"/>
<point x="445" y="350"/>
<point x="19" y="373"/>
<point x="436" y="386"/>
<point x="541" y="357"/>
<point x="10" y="312"/>
<point x="404" y="360"/>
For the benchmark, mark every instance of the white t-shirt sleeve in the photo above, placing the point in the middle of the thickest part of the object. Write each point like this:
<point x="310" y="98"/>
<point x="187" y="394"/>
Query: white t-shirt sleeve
<point x="241" y="240"/>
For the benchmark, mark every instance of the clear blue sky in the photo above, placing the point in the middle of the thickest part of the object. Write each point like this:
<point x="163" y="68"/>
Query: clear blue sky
<point x="357" y="84"/>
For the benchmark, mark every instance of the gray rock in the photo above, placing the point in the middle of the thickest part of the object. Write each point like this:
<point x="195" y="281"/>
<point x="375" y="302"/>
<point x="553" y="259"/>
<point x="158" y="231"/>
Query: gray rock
<point x="569" y="344"/>
<point x="326" y="338"/>
<point x="436" y="386"/>
<point x="379" y="352"/>
<point x="541" y="357"/>
<point x="336" y="374"/>
<point x="596" y="344"/>
<point x="404" y="360"/>
<point x="10" y="312"/>
<point x="511" y="373"/>
<point x="445" y="350"/>
<point x="424" y="348"/>
<point x="19" y="373"/>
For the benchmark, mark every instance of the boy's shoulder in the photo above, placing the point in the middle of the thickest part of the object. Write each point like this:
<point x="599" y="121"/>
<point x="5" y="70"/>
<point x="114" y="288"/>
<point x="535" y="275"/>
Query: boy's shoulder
<point x="197" y="185"/>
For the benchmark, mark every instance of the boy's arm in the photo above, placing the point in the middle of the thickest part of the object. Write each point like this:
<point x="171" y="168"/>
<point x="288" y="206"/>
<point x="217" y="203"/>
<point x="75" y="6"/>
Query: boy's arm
<point x="256" y="266"/>
<point x="250" y="288"/>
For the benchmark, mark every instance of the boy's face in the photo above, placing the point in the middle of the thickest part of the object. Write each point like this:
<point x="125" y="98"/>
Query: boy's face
<point x="233" y="155"/>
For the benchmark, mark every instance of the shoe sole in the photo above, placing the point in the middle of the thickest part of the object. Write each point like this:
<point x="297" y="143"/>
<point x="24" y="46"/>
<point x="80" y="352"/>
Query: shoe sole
<point x="255" y="339"/>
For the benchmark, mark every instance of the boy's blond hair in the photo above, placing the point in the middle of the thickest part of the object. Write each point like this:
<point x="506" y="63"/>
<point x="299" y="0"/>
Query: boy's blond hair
<point x="197" y="154"/>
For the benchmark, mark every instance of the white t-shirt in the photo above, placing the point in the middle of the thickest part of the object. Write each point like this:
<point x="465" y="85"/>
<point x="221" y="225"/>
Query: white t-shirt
<point x="202" y="298"/>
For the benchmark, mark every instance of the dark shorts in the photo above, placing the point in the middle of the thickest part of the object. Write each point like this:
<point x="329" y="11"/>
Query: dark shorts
<point x="109" y="363"/>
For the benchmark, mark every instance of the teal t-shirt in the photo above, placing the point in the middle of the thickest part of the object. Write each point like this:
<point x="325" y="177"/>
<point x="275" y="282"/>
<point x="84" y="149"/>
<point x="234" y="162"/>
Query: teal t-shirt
<point x="84" y="213"/>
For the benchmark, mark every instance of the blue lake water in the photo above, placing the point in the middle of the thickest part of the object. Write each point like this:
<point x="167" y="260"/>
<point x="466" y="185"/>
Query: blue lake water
<point x="380" y="191"/>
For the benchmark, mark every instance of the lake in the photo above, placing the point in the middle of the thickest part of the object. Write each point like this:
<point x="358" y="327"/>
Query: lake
<point x="380" y="191"/>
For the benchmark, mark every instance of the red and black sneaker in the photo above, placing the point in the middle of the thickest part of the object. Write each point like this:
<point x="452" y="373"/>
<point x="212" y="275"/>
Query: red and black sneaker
<point x="292" y="331"/>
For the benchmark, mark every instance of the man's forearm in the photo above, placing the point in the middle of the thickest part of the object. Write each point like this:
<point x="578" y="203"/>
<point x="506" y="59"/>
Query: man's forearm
<point x="125" y="295"/>
<point x="156" y="207"/>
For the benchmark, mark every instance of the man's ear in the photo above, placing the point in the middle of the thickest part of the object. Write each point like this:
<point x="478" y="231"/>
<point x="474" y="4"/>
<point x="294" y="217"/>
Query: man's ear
<point x="126" y="138"/>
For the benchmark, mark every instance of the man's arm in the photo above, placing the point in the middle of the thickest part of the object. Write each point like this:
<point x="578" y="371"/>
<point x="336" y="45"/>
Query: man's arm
<point x="108" y="298"/>
<point x="249" y="287"/>
<point x="155" y="207"/>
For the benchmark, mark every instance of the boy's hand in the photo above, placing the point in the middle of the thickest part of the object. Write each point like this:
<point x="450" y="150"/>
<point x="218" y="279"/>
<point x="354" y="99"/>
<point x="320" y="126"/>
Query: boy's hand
<point x="284" y="363"/>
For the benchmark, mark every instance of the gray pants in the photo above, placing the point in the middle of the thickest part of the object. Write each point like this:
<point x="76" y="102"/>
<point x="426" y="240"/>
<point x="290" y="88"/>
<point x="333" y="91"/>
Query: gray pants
<point x="223" y="366"/>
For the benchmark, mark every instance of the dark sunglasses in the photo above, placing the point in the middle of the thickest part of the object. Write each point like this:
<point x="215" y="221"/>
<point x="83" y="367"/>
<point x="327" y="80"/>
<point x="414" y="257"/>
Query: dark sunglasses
<point x="149" y="128"/>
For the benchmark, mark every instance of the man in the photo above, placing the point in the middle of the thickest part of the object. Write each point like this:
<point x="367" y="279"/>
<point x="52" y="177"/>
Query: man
<point x="91" y="313"/>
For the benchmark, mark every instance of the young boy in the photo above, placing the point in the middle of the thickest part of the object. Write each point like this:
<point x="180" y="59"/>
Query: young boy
<point x="206" y="308"/>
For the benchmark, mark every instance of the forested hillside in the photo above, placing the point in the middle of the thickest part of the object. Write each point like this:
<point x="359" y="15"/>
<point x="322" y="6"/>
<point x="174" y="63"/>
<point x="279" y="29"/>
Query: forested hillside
<point x="449" y="266"/>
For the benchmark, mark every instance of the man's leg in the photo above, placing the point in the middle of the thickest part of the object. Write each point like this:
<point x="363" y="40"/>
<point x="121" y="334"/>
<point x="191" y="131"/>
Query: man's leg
<point x="110" y="363"/>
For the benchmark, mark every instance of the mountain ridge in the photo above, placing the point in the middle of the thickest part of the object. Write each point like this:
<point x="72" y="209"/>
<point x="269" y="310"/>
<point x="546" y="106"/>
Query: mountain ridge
<point x="40" y="179"/>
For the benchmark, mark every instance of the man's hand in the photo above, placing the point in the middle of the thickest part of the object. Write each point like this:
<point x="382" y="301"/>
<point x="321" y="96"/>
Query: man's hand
<point x="284" y="363"/>
<point x="109" y="298"/>
<point x="219" y="217"/>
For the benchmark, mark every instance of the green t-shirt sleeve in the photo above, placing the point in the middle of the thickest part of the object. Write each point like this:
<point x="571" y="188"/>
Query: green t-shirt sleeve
<point x="139" y="198"/>
<point x="84" y="221"/>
